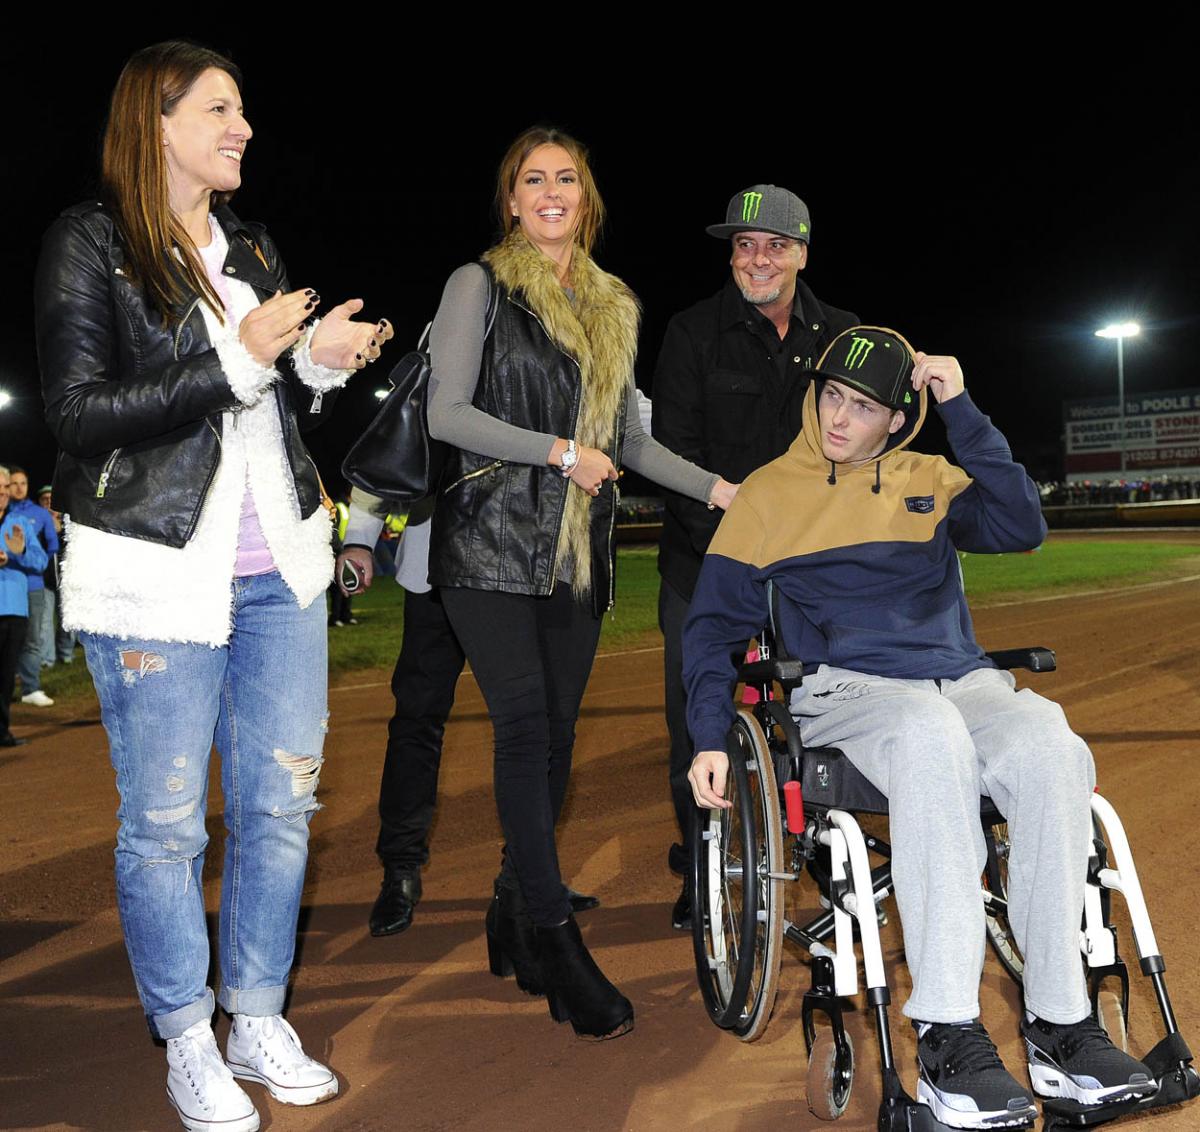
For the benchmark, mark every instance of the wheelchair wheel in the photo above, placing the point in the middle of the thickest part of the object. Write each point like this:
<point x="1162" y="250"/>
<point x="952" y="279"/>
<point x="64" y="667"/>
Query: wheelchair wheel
<point x="995" y="883"/>
<point x="830" y="1076"/>
<point x="737" y="904"/>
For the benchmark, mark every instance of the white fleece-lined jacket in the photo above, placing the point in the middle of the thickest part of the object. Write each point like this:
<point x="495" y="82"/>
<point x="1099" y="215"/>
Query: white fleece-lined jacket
<point x="162" y="429"/>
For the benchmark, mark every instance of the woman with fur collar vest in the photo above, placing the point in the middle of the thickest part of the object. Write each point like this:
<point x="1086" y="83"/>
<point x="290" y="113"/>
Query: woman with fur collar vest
<point x="541" y="412"/>
<point x="176" y="360"/>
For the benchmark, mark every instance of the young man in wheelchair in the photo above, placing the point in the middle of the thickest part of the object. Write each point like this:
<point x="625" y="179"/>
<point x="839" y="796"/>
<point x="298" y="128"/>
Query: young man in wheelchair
<point x="859" y="535"/>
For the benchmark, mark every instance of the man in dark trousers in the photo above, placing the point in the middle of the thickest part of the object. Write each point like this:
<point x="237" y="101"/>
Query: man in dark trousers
<point x="727" y="395"/>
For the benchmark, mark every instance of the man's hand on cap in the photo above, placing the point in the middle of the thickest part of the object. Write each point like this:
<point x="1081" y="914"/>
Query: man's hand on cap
<point x="941" y="373"/>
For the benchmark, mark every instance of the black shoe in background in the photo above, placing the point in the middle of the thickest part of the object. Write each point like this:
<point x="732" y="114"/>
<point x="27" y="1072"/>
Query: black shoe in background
<point x="399" y="896"/>
<point x="581" y="903"/>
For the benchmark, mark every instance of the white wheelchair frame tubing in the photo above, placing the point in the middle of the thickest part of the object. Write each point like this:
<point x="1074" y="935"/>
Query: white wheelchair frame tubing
<point x="846" y="846"/>
<point x="1097" y="941"/>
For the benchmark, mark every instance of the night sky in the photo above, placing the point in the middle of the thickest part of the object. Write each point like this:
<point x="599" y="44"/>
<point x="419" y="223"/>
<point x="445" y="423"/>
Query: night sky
<point x="984" y="210"/>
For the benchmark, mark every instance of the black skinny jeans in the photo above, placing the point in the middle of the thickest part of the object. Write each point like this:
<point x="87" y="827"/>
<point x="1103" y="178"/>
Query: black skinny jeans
<point x="531" y="657"/>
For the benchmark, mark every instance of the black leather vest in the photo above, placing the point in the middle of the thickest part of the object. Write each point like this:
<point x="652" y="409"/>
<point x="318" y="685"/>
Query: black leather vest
<point x="497" y="523"/>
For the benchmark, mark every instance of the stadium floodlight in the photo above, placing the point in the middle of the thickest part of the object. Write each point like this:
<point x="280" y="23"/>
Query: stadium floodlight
<point x="1120" y="331"/>
<point x="5" y="399"/>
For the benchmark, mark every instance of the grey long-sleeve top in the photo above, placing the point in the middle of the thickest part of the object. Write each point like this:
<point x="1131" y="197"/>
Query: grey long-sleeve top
<point x="456" y="350"/>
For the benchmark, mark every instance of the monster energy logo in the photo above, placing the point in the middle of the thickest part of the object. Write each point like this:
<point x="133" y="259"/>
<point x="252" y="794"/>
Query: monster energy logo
<point x="860" y="348"/>
<point x="750" y="205"/>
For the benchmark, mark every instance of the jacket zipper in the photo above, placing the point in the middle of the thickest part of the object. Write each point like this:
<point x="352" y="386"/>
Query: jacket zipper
<point x="612" y="569"/>
<point x="182" y="323"/>
<point x="474" y="475"/>
<point x="544" y="330"/>
<point x="105" y="472"/>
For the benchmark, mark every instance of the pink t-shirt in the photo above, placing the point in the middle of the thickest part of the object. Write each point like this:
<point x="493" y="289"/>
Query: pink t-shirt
<point x="253" y="554"/>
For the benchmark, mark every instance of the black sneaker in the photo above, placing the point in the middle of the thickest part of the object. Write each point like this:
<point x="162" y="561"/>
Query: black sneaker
<point x="1079" y="1061"/>
<point x="964" y="1081"/>
<point x="681" y="913"/>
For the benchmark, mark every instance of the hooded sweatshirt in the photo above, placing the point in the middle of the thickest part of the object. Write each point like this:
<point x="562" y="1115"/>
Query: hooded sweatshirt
<point x="863" y="558"/>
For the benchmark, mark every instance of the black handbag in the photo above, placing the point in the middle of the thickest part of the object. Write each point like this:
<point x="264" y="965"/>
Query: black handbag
<point x="395" y="457"/>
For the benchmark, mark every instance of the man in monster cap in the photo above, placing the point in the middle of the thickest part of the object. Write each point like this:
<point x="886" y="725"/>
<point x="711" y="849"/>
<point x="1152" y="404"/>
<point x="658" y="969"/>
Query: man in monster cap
<point x="858" y="536"/>
<point x="727" y="393"/>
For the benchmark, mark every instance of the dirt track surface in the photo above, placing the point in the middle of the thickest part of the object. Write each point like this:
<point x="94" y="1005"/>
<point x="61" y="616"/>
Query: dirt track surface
<point x="423" y="1037"/>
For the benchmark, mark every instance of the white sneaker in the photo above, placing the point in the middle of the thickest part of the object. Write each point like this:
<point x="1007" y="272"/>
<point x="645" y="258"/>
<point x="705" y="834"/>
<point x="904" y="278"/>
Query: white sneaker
<point x="38" y="699"/>
<point x="201" y="1087"/>
<point x="267" y="1050"/>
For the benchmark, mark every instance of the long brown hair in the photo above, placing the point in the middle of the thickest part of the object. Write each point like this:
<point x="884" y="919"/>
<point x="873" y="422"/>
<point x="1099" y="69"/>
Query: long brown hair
<point x="133" y="171"/>
<point x="591" y="212"/>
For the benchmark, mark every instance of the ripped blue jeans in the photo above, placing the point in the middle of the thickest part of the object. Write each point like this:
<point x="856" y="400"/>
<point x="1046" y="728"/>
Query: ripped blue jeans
<point x="261" y="701"/>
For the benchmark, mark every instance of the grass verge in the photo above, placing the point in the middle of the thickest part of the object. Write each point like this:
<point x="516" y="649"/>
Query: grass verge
<point x="1062" y="566"/>
<point x="1066" y="565"/>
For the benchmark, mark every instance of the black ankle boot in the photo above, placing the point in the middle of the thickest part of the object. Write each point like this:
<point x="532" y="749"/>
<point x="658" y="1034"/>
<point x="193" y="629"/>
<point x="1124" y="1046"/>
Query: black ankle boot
<point x="512" y="945"/>
<point x="577" y="988"/>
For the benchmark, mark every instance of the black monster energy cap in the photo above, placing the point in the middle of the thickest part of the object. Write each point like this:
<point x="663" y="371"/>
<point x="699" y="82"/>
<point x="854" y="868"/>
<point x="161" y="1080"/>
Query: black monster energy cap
<point x="764" y="208"/>
<point x="875" y="361"/>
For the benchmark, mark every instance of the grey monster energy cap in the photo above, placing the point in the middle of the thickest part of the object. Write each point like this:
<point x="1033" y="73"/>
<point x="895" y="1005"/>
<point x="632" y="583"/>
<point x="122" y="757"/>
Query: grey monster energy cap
<point x="764" y="208"/>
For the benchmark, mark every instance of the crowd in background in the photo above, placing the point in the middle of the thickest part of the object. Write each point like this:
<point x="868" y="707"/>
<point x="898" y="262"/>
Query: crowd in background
<point x="1098" y="493"/>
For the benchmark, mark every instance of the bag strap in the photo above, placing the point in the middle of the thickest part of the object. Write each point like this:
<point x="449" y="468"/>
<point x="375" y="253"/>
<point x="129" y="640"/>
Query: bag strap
<point x="489" y="319"/>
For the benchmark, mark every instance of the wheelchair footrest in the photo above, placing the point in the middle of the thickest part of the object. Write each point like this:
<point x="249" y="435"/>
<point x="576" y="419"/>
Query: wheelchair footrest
<point x="1169" y="1061"/>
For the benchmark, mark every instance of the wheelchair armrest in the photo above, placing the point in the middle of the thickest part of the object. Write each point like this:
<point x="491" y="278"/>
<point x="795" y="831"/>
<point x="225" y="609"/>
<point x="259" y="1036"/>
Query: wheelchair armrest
<point x="1036" y="659"/>
<point x="789" y="673"/>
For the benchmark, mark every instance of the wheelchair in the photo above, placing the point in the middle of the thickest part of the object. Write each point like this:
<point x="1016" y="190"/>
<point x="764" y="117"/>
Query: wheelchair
<point x="793" y="813"/>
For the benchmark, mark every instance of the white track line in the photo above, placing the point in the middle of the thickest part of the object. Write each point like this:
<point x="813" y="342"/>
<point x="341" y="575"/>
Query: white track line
<point x="1088" y="593"/>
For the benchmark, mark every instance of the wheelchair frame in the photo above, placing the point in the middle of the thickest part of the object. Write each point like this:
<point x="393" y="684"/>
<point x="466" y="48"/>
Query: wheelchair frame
<point x="739" y="867"/>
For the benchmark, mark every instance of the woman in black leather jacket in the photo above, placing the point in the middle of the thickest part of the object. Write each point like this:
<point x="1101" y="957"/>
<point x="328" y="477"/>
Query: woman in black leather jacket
<point x="541" y="411"/>
<point x="178" y="365"/>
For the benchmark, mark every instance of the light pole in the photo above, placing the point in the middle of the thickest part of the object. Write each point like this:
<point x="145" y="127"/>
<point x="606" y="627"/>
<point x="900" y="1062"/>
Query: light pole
<point x="1120" y="331"/>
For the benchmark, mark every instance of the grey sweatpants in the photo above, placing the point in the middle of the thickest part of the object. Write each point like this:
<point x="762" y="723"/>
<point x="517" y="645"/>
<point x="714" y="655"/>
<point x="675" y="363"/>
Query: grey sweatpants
<point x="933" y="747"/>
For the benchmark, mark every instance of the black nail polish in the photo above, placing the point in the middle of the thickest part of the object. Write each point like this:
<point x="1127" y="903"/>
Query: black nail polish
<point x="372" y="341"/>
<point x="310" y="291"/>
<point x="302" y="326"/>
<point x="308" y="306"/>
<point x="358" y="357"/>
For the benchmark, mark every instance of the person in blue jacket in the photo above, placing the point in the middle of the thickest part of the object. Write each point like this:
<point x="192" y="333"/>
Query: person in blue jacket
<point x="859" y="536"/>
<point x="29" y="663"/>
<point x="21" y="556"/>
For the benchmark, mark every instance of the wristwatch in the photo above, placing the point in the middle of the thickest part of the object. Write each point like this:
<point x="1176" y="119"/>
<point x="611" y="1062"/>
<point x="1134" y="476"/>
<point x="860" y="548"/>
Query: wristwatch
<point x="569" y="458"/>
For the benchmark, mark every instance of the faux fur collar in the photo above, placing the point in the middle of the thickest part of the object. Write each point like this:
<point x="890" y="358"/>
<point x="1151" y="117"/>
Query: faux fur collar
<point x="599" y="330"/>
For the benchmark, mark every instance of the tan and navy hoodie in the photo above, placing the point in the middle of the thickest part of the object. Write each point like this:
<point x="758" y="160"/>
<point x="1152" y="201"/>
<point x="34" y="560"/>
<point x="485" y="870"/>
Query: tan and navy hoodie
<point x="863" y="558"/>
